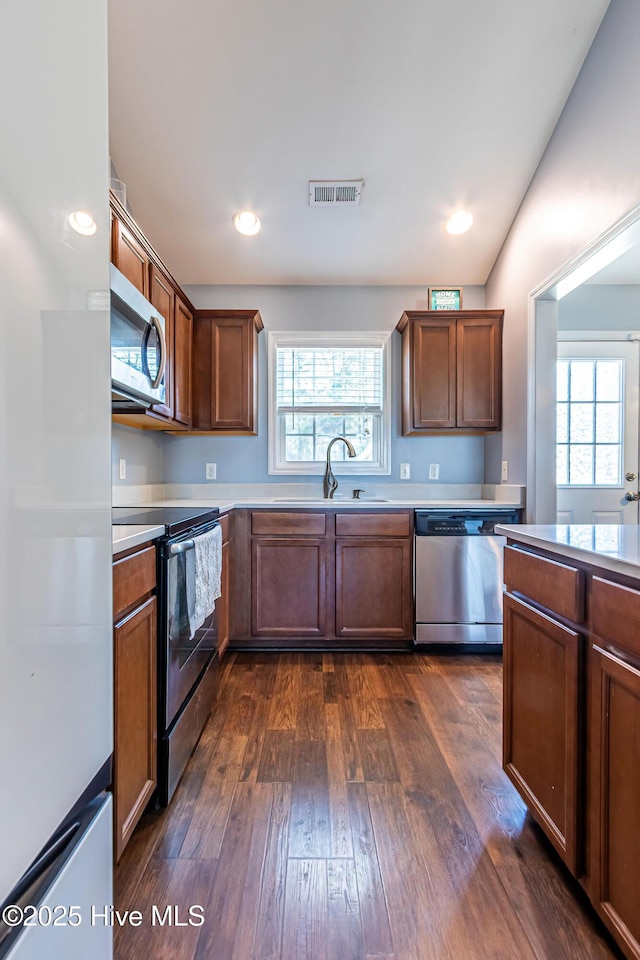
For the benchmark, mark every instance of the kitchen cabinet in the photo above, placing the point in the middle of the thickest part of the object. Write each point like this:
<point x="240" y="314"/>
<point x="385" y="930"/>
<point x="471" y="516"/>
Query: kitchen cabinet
<point x="222" y="604"/>
<point x="129" y="255"/>
<point x="288" y="575"/>
<point x="182" y="361"/>
<point x="451" y="370"/>
<point x="615" y="758"/>
<point x="133" y="255"/>
<point x="225" y="344"/>
<point x="323" y="578"/>
<point x="373" y="583"/>
<point x="135" y="697"/>
<point x="572" y="720"/>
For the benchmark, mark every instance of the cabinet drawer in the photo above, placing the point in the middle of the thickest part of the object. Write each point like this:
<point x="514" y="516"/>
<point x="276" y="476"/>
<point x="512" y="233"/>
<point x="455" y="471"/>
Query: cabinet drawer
<point x="225" y="526"/>
<point x="615" y="614"/>
<point x="133" y="578"/>
<point x="271" y="523"/>
<point x="551" y="584"/>
<point x="373" y="524"/>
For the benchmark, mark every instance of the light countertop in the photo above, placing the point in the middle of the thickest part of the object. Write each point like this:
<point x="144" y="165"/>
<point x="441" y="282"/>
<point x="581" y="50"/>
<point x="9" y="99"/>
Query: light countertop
<point x="275" y="503"/>
<point x="133" y="535"/>
<point x="610" y="546"/>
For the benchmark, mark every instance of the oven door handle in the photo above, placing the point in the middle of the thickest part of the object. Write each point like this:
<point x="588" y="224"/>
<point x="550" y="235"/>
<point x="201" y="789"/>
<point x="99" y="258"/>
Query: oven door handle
<point x="183" y="547"/>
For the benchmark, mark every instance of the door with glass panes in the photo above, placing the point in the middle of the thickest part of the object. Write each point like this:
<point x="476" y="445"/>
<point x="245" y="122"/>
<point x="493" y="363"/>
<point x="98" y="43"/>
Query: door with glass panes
<point x="597" y="431"/>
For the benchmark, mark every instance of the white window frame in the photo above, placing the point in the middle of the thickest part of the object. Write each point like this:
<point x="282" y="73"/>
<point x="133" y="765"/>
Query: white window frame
<point x="327" y="339"/>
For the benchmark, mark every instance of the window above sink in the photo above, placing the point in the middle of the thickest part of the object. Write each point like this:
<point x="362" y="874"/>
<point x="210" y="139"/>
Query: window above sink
<point x="323" y="385"/>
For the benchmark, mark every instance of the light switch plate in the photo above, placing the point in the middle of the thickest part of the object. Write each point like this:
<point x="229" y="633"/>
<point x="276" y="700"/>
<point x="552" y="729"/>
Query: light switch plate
<point x="210" y="471"/>
<point x="505" y="469"/>
<point x="405" y="471"/>
<point x="123" y="469"/>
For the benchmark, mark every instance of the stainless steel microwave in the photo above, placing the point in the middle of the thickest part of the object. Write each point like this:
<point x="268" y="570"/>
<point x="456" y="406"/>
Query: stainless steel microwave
<point x="138" y="346"/>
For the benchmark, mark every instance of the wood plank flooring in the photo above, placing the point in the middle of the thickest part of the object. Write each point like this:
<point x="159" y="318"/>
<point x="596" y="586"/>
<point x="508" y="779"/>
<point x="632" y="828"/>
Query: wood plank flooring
<point x="351" y="807"/>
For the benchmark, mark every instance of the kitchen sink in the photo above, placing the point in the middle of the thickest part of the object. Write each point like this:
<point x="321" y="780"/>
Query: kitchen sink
<point x="327" y="501"/>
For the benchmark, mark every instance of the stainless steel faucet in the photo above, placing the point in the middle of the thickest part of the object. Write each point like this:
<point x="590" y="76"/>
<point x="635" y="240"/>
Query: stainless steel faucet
<point x="330" y="482"/>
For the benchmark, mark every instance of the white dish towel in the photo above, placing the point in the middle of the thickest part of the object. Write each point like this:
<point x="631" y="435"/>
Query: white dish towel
<point x="207" y="561"/>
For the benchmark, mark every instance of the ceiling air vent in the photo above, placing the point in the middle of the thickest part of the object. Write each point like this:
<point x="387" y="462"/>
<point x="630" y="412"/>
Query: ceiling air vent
<point x="335" y="193"/>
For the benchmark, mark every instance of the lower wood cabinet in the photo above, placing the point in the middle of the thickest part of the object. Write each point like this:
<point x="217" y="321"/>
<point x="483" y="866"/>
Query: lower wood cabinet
<point x="135" y="697"/>
<point x="543" y="740"/>
<point x="373" y="588"/>
<point x="327" y="577"/>
<point x="572" y="722"/>
<point x="615" y="796"/>
<point x="289" y="587"/>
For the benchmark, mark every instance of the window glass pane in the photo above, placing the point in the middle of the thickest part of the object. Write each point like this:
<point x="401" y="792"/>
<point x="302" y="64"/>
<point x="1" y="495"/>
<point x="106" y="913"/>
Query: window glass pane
<point x="581" y="423"/>
<point x="608" y="423"/>
<point x="580" y="464"/>
<point x="299" y="448"/>
<point x="562" y="464"/>
<point x="562" y="422"/>
<point x="582" y="379"/>
<point x="608" y="379"/>
<point x="608" y="464"/>
<point x="562" y="385"/>
<point x="329" y="426"/>
<point x="297" y="423"/>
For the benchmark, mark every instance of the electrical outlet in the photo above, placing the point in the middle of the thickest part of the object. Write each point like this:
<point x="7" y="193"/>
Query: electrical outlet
<point x="505" y="469"/>
<point x="123" y="469"/>
<point x="210" y="471"/>
<point x="405" y="471"/>
<point x="434" y="471"/>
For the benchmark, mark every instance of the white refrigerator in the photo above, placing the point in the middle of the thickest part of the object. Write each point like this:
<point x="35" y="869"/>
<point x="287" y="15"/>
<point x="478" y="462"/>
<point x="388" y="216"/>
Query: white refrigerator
<point x="55" y="473"/>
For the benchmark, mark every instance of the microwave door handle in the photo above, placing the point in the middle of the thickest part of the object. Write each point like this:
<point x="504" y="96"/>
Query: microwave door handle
<point x="177" y="548"/>
<point x="154" y="324"/>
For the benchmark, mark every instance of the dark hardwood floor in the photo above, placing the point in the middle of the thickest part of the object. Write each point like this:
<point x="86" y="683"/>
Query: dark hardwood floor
<point x="352" y="806"/>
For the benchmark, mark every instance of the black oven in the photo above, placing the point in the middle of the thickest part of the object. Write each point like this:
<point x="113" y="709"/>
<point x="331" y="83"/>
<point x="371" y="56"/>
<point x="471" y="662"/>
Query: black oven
<point x="187" y="666"/>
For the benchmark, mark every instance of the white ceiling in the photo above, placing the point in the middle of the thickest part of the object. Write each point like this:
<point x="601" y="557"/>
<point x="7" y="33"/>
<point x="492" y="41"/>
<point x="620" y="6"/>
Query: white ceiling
<point x="222" y="105"/>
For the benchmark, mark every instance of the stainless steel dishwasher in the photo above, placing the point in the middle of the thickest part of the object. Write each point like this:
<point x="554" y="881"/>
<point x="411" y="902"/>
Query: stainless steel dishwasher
<point x="458" y="578"/>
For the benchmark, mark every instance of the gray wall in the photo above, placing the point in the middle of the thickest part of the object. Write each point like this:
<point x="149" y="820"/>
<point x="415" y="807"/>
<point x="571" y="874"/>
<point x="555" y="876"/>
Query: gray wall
<point x="244" y="459"/>
<point x="601" y="307"/>
<point x="142" y="449"/>
<point x="588" y="179"/>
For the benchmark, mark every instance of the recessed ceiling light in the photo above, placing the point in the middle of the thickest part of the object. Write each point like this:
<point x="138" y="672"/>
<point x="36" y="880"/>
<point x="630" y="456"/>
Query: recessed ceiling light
<point x="246" y="223"/>
<point x="459" y="222"/>
<point x="83" y="223"/>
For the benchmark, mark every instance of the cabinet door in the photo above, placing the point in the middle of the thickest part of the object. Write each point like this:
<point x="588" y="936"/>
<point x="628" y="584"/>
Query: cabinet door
<point x="433" y="374"/>
<point x="162" y="297"/>
<point x="542" y="722"/>
<point x="182" y="343"/>
<point x="479" y="373"/>
<point x="222" y="604"/>
<point x="130" y="257"/>
<point x="135" y="718"/>
<point x="615" y="796"/>
<point x="373" y="588"/>
<point x="233" y="362"/>
<point x="288" y="578"/>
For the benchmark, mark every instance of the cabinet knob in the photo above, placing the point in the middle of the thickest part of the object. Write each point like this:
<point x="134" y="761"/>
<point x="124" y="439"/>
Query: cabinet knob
<point x="632" y="496"/>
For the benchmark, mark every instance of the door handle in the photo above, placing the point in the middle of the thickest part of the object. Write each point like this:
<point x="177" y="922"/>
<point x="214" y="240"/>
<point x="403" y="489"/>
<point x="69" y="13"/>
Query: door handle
<point x="630" y="476"/>
<point x="632" y="496"/>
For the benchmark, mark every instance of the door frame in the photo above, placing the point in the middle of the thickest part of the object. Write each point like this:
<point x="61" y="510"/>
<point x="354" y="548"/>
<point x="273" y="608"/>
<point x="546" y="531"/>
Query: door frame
<point x="542" y="335"/>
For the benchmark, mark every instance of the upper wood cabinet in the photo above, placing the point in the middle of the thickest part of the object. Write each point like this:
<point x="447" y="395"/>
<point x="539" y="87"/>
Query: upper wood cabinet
<point x="129" y="256"/>
<point x="183" y="340"/>
<point x="134" y="256"/>
<point x="451" y="370"/>
<point x="225" y="371"/>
